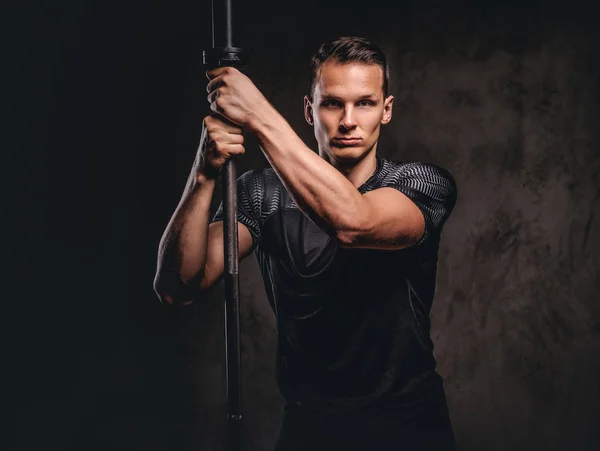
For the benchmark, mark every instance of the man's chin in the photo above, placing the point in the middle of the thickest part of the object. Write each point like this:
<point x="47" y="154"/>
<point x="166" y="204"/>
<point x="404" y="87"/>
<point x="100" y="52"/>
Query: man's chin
<point x="348" y="155"/>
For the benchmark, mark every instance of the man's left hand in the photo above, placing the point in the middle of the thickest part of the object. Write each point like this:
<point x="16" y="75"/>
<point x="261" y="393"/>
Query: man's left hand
<point x="233" y="95"/>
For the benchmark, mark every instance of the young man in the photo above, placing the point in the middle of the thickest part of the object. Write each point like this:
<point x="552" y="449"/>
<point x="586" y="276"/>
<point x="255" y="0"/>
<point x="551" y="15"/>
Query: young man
<point x="347" y="244"/>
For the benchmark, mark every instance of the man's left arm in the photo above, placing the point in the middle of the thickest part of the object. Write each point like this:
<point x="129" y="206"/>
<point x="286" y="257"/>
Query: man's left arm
<point x="412" y="206"/>
<point x="385" y="218"/>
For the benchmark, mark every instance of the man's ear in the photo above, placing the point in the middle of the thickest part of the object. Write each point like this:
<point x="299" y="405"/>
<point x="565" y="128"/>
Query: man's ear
<point x="387" y="109"/>
<point x="308" y="111"/>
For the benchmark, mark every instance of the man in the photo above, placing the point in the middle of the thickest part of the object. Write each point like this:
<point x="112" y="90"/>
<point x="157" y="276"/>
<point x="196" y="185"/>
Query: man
<point x="347" y="244"/>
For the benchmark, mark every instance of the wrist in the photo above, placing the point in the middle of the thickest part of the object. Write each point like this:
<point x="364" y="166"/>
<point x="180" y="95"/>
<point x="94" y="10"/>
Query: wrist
<point x="205" y="176"/>
<point x="265" y="117"/>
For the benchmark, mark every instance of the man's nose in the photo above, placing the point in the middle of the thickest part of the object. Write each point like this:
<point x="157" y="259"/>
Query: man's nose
<point x="348" y="121"/>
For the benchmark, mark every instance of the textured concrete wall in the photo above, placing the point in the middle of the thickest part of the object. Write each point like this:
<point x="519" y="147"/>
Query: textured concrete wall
<point x="506" y="96"/>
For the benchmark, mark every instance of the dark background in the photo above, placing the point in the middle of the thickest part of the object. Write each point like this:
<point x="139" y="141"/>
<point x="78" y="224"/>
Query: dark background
<point x="105" y="104"/>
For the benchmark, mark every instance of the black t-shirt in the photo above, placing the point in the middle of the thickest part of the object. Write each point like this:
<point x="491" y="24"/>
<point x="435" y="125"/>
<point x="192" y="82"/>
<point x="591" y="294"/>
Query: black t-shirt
<point x="353" y="324"/>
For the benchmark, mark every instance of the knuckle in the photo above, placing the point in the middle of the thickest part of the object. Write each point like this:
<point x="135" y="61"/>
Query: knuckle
<point x="221" y="104"/>
<point x="220" y="147"/>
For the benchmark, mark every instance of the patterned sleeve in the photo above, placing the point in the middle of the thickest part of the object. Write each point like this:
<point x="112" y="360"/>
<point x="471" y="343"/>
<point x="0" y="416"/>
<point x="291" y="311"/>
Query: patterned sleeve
<point x="250" y="196"/>
<point x="431" y="188"/>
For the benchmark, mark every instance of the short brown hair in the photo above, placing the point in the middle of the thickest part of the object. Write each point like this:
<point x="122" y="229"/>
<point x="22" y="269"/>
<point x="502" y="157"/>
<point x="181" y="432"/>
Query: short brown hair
<point x="349" y="50"/>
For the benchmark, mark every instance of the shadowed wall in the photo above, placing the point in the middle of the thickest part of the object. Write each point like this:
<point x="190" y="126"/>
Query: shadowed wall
<point x="506" y="97"/>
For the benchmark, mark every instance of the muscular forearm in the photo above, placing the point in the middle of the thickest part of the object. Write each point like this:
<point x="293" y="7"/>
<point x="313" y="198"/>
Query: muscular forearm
<point x="319" y="189"/>
<point x="183" y="247"/>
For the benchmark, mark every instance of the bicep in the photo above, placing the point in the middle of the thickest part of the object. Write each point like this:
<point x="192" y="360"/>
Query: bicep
<point x="394" y="220"/>
<point x="215" y="252"/>
<point x="413" y="205"/>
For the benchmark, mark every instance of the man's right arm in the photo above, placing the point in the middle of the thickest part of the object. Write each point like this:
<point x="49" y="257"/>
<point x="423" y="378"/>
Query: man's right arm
<point x="191" y="255"/>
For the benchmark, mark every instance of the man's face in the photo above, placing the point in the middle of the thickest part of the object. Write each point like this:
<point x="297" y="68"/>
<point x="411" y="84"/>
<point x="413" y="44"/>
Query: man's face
<point x="347" y="110"/>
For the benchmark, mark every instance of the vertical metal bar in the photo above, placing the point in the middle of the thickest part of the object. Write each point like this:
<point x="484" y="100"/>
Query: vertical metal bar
<point x="223" y="39"/>
<point x="232" y="311"/>
<point x="228" y="24"/>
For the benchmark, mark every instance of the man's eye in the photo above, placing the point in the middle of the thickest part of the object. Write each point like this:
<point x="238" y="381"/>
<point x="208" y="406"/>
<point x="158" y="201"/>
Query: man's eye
<point x="365" y="103"/>
<point x="331" y="104"/>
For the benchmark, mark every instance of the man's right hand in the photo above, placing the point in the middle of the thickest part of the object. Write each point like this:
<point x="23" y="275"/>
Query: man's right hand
<point x="220" y="141"/>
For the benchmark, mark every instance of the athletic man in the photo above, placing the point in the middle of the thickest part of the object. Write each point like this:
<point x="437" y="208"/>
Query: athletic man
<point x="347" y="244"/>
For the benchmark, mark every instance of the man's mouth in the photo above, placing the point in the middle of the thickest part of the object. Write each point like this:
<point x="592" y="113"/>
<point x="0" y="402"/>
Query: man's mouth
<point x="346" y="141"/>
